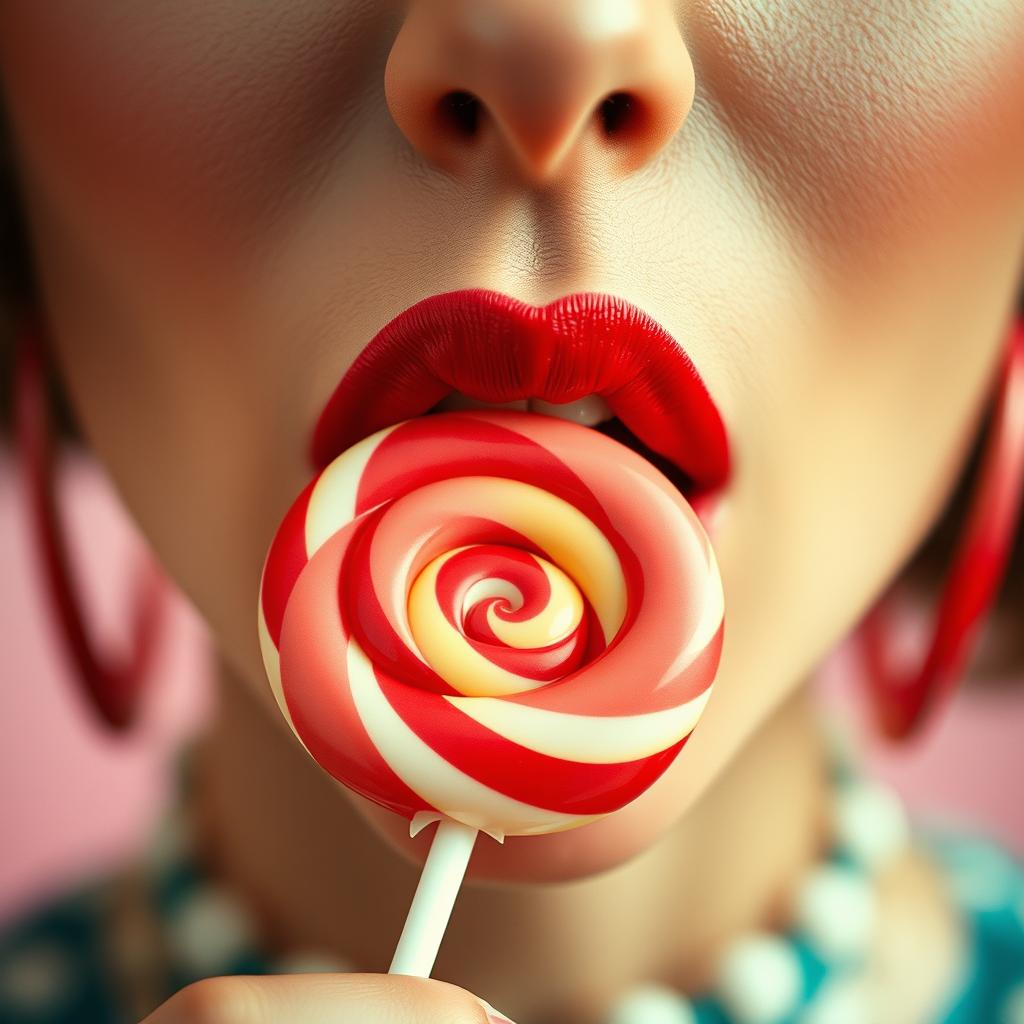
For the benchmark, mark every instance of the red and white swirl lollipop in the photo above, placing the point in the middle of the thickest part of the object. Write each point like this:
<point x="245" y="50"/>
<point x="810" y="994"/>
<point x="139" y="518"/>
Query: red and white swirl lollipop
<point x="492" y="618"/>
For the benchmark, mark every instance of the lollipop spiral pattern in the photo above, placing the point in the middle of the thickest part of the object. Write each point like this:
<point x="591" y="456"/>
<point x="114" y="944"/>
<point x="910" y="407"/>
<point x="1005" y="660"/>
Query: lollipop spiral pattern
<point x="506" y="619"/>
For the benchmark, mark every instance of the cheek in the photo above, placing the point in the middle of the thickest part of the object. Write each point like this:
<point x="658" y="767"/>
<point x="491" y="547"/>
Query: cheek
<point x="155" y="125"/>
<point x="863" y="441"/>
<point x="886" y="143"/>
<point x="157" y="149"/>
<point x="865" y="120"/>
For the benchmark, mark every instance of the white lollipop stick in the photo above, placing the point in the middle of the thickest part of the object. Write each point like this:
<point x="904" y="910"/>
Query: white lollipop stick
<point x="431" y="908"/>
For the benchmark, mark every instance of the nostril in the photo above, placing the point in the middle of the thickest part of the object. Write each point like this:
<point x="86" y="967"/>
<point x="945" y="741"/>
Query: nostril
<point x="618" y="112"/>
<point x="460" y="110"/>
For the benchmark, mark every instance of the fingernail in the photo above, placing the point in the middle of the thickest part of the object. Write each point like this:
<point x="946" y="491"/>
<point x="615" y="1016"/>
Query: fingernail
<point x="495" y="1016"/>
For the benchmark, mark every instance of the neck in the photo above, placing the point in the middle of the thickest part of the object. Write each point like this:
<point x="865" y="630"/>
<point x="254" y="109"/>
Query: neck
<point x="281" y="835"/>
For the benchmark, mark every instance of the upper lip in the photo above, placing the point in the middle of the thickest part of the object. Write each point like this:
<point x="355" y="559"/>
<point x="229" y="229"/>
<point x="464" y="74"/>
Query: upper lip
<point x="495" y="348"/>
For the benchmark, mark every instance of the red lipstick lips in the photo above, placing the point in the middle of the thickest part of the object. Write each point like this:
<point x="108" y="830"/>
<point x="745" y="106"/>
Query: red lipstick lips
<point x="494" y="348"/>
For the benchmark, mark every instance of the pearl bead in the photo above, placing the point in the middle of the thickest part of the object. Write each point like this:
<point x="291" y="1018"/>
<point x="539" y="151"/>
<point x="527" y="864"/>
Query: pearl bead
<point x="870" y="824"/>
<point x="37" y="980"/>
<point x="652" y="1004"/>
<point x="760" y="980"/>
<point x="844" y="1001"/>
<point x="835" y="908"/>
<point x="208" y="931"/>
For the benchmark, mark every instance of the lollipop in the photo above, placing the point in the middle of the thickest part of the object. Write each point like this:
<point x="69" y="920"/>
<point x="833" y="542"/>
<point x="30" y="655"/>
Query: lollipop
<point x="495" y="620"/>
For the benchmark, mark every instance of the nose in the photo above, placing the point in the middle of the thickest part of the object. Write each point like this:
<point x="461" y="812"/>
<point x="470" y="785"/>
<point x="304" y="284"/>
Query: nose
<point x="542" y="84"/>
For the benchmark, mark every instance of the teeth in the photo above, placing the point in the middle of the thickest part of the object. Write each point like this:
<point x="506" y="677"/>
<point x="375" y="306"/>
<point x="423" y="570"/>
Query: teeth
<point x="457" y="401"/>
<point x="587" y="411"/>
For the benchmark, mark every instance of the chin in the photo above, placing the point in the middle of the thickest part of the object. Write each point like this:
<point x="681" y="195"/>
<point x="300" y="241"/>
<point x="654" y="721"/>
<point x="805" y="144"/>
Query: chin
<point x="562" y="856"/>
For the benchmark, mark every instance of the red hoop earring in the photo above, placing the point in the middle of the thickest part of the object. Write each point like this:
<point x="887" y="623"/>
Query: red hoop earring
<point x="903" y="699"/>
<point x="112" y="687"/>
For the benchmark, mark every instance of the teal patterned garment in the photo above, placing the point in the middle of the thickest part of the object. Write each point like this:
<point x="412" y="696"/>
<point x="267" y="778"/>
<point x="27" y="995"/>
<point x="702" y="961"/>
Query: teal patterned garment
<point x="989" y="886"/>
<point x="89" y="959"/>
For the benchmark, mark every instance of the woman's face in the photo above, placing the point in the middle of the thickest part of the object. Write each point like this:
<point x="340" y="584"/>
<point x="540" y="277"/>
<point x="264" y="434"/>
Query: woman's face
<point x="227" y="200"/>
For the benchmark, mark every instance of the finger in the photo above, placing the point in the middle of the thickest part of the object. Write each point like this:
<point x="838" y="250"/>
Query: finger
<point x="323" y="999"/>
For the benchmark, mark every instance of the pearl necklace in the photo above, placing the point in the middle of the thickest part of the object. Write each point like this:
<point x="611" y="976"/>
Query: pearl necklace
<point x="814" y="972"/>
<point x="760" y="978"/>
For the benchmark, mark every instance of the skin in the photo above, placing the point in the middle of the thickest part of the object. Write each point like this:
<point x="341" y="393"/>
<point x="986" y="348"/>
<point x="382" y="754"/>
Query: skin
<point x="824" y="202"/>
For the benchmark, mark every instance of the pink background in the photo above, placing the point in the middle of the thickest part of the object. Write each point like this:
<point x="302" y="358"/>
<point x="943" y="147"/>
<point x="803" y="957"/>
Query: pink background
<point x="74" y="802"/>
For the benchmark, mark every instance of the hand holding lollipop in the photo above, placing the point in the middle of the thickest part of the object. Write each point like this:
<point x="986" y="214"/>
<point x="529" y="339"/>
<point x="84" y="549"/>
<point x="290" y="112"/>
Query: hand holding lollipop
<point x="502" y="622"/>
